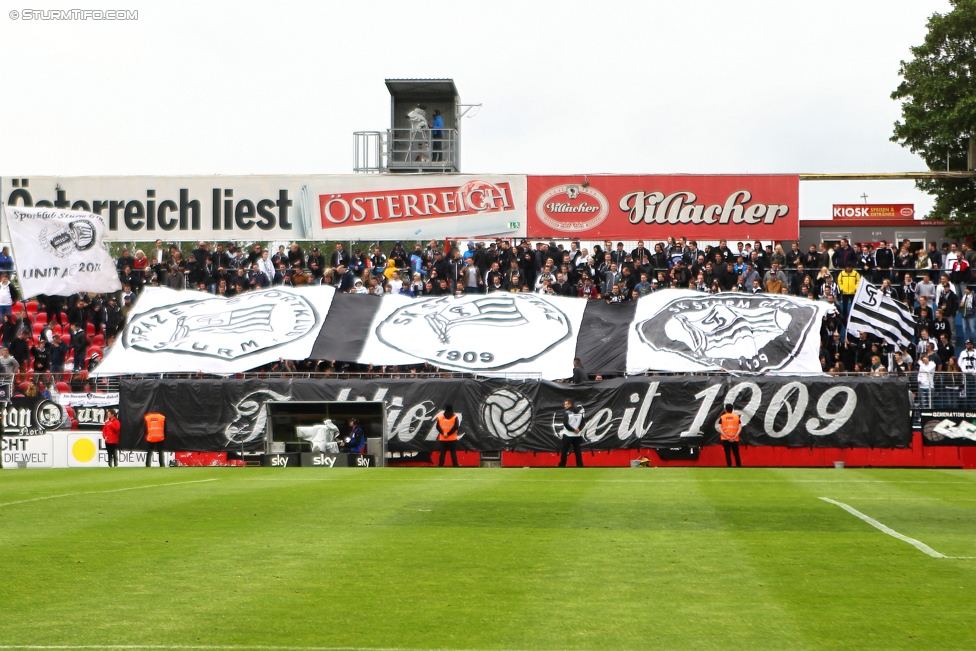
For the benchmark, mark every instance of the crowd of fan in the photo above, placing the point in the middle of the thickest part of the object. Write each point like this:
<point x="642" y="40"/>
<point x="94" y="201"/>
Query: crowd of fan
<point x="53" y="335"/>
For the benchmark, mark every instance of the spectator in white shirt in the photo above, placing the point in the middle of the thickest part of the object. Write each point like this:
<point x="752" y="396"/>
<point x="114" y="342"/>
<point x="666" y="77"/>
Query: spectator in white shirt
<point x="926" y="381"/>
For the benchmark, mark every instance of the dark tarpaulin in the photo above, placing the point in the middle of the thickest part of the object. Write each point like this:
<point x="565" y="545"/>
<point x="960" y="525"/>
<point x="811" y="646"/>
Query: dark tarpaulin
<point x="602" y="342"/>
<point x="642" y="411"/>
<point x="346" y="328"/>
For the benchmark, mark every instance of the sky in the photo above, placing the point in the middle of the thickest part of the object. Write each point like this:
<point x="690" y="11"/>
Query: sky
<point x="650" y="86"/>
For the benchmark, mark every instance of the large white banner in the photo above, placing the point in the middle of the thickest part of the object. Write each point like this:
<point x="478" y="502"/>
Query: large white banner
<point x="503" y="333"/>
<point x="60" y="252"/>
<point x="686" y="331"/>
<point x="173" y="331"/>
<point x="314" y="207"/>
<point x="500" y="333"/>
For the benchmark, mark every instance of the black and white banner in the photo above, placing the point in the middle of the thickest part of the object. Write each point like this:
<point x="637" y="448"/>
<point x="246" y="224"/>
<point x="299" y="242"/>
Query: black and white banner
<point x="60" y="252"/>
<point x="686" y="330"/>
<point x="880" y="315"/>
<point x="89" y="408"/>
<point x="498" y="414"/>
<point x="949" y="427"/>
<point x="173" y="331"/>
<point x="532" y="335"/>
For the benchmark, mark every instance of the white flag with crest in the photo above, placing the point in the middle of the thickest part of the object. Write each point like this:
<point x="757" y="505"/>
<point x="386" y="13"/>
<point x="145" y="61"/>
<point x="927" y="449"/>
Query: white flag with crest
<point x="60" y="252"/>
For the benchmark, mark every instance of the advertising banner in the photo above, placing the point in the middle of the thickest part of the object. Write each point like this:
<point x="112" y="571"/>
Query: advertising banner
<point x="312" y="207"/>
<point x="674" y="411"/>
<point x="65" y="449"/>
<point x="874" y="211"/>
<point x="949" y="427"/>
<point x="60" y="252"/>
<point x="655" y="207"/>
<point x="486" y="334"/>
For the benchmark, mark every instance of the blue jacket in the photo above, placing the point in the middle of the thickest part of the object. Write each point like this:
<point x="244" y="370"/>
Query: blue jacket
<point x="357" y="441"/>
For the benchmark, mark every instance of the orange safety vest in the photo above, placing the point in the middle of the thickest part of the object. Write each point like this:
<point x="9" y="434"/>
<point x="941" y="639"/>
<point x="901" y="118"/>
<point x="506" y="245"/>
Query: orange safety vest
<point x="155" y="427"/>
<point x="730" y="425"/>
<point x="445" y="424"/>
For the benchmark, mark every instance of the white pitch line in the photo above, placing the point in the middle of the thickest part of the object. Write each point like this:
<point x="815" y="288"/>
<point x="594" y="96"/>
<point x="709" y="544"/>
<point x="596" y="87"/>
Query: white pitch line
<point x="113" y="490"/>
<point x="217" y="647"/>
<point x="917" y="544"/>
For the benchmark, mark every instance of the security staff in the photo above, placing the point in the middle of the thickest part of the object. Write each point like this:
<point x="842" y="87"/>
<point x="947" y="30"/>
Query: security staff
<point x="572" y="433"/>
<point x="730" y="425"/>
<point x="155" y="433"/>
<point x="448" y="424"/>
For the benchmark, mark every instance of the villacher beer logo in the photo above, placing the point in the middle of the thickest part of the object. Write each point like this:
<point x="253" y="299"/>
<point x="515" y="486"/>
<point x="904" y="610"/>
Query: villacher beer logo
<point x="223" y="328"/>
<point x="476" y="332"/>
<point x="572" y="208"/>
<point x="731" y="331"/>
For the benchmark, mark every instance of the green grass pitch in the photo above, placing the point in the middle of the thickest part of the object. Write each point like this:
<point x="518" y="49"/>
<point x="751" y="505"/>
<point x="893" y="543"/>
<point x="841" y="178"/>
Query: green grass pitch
<point x="486" y="559"/>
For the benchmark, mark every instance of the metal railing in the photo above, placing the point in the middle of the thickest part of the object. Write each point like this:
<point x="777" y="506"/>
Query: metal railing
<point x="406" y="150"/>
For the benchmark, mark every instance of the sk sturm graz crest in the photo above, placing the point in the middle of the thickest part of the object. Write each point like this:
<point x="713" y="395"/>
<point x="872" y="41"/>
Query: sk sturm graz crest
<point x="476" y="333"/>
<point x="751" y="333"/>
<point x="62" y="241"/>
<point x="221" y="327"/>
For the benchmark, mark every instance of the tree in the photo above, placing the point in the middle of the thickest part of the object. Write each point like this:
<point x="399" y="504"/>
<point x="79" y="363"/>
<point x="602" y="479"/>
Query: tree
<point x="939" y="111"/>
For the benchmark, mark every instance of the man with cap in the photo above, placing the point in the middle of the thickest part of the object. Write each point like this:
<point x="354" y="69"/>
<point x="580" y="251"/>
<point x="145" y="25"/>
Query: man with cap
<point x="967" y="364"/>
<point x="316" y="263"/>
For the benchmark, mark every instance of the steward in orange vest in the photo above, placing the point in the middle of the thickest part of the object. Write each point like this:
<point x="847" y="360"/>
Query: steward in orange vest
<point x="730" y="424"/>
<point x="447" y="424"/>
<point x="155" y="433"/>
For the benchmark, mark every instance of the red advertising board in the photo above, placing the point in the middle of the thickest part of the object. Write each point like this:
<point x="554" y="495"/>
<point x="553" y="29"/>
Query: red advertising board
<point x="874" y="211"/>
<point x="655" y="207"/>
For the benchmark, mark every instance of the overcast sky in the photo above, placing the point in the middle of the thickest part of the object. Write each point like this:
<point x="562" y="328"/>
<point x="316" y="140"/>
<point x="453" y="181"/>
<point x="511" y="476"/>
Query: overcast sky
<point x="650" y="86"/>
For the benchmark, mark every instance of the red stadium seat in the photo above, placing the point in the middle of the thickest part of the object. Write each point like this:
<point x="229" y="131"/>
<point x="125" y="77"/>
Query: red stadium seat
<point x="63" y="387"/>
<point x="40" y="317"/>
<point x="23" y="386"/>
<point x="17" y="307"/>
<point x="98" y="340"/>
<point x="32" y="307"/>
<point x="90" y="329"/>
<point x="94" y="350"/>
<point x="56" y="329"/>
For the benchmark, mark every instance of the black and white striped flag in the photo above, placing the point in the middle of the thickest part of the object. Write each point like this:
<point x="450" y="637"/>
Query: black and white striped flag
<point x="880" y="315"/>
